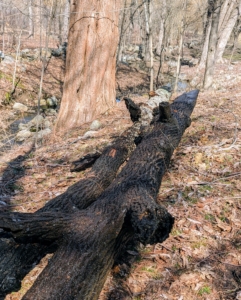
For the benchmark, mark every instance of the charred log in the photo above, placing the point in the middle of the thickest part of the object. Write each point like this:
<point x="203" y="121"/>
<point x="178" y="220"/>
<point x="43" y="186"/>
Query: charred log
<point x="87" y="241"/>
<point x="134" y="109"/>
<point x="84" y="162"/>
<point x="13" y="265"/>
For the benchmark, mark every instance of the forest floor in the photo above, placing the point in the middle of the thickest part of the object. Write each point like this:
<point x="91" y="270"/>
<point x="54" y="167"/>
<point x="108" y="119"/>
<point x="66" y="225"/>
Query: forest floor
<point x="202" y="188"/>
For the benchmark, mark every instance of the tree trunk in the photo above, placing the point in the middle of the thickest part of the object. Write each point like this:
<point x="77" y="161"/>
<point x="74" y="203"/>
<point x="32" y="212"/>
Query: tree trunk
<point x="214" y="7"/>
<point x="180" y="54"/>
<point x="87" y="241"/>
<point x="162" y="29"/>
<point x="151" y="47"/>
<point x="204" y="54"/>
<point x="65" y="28"/>
<point x="31" y="22"/>
<point x="120" y="45"/>
<point x="89" y="85"/>
<point x="226" y="31"/>
<point x="37" y="18"/>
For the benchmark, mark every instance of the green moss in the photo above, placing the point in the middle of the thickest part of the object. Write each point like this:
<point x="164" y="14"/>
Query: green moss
<point x="204" y="290"/>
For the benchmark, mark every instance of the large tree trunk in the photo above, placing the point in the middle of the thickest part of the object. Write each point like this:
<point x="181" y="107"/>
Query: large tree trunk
<point x="214" y="7"/>
<point x="89" y="85"/>
<point x="87" y="241"/>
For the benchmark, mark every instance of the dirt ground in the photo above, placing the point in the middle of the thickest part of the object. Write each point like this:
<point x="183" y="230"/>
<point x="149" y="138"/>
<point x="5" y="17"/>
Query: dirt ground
<point x="202" y="189"/>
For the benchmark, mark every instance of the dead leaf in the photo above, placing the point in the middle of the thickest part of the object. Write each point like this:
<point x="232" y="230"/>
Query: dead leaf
<point x="223" y="225"/>
<point x="198" y="158"/>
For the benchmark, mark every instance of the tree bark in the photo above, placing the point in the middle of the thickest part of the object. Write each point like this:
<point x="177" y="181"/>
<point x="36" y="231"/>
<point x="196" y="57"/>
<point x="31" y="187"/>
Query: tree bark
<point x="31" y="22"/>
<point x="162" y="29"/>
<point x="65" y="21"/>
<point x="89" y="85"/>
<point x="214" y="6"/>
<point x="226" y="31"/>
<point x="89" y="240"/>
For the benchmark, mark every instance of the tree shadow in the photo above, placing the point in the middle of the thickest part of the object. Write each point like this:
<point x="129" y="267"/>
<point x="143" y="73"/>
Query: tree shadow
<point x="9" y="180"/>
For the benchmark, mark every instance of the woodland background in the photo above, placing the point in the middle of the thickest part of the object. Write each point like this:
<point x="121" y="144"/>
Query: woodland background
<point x="201" y="189"/>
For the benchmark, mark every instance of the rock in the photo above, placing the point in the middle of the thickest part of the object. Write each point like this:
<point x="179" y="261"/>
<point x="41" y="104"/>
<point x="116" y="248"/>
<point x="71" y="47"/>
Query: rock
<point x="43" y="104"/>
<point x="47" y="124"/>
<point x="20" y="107"/>
<point x="95" y="125"/>
<point x="8" y="60"/>
<point x="42" y="133"/>
<point x="50" y="112"/>
<point x="52" y="102"/>
<point x="61" y="51"/>
<point x="28" y="54"/>
<point x="43" y="53"/>
<point x="38" y="120"/>
<point x="2" y="55"/>
<point x="162" y="96"/>
<point x="183" y="76"/>
<point x="23" y="135"/>
<point x="89" y="134"/>
<point x="22" y="126"/>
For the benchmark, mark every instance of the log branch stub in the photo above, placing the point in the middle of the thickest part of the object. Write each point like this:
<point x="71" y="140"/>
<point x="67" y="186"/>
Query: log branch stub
<point x="84" y="162"/>
<point x="134" y="109"/>
<point x="165" y="114"/>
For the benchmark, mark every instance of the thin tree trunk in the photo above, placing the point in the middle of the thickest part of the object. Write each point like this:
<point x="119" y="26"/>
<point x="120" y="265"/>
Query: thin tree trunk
<point x="225" y="13"/>
<point x="180" y="45"/>
<point x="204" y="54"/>
<point x="65" y="27"/>
<point x="31" y="22"/>
<point x="162" y="28"/>
<point x="226" y="31"/>
<point x="120" y="46"/>
<point x="213" y="39"/>
<point x="151" y="47"/>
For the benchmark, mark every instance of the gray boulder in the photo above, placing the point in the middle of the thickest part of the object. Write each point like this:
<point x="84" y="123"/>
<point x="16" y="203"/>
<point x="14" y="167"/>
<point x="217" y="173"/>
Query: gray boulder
<point x="20" y="107"/>
<point x="8" y="60"/>
<point x="23" y="135"/>
<point x="50" y="112"/>
<point x="42" y="133"/>
<point x="52" y="102"/>
<point x="95" y="125"/>
<point x="89" y="134"/>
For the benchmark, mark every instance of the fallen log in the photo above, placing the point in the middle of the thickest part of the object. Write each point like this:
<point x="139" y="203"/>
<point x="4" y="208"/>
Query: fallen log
<point x="16" y="260"/>
<point x="87" y="241"/>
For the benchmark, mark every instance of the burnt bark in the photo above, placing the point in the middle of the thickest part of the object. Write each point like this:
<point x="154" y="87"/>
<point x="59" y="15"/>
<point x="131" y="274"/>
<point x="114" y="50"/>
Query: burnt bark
<point x="13" y="265"/>
<point x="84" y="162"/>
<point x="88" y="241"/>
